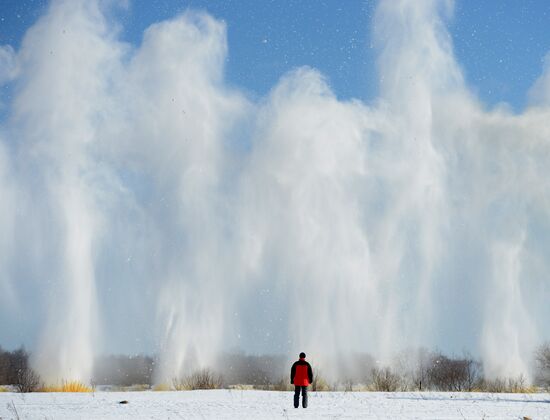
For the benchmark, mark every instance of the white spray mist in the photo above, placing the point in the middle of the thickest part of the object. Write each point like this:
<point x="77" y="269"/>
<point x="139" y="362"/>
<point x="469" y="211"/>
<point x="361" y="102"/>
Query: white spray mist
<point x="418" y="219"/>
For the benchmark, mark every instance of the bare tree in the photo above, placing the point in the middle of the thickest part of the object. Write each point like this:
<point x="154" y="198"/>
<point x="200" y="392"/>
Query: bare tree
<point x="449" y="374"/>
<point x="11" y="363"/>
<point x="473" y="373"/>
<point x="4" y="366"/>
<point x="28" y="380"/>
<point x="412" y="365"/>
<point x="383" y="379"/>
<point x="542" y="358"/>
<point x="15" y="370"/>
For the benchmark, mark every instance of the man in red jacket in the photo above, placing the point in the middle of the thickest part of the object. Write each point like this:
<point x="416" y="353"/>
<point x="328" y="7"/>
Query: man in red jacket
<point x="301" y="375"/>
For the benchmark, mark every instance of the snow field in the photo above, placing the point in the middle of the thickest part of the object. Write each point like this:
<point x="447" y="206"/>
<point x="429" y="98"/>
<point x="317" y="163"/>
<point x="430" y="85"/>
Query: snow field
<point x="255" y="405"/>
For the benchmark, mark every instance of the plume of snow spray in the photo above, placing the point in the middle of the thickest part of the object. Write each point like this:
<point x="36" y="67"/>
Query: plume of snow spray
<point x="297" y="222"/>
<point x="59" y="97"/>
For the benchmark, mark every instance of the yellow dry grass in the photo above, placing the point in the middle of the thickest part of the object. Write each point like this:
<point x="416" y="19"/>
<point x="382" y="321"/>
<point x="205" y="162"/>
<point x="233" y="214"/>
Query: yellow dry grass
<point x="68" y="386"/>
<point x="4" y="389"/>
<point x="162" y="387"/>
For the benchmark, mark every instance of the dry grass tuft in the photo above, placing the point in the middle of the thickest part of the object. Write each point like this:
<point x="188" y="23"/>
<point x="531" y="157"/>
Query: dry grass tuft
<point x="67" y="386"/>
<point x="319" y="382"/>
<point x="201" y="379"/>
<point x="162" y="387"/>
<point x="282" y="385"/>
<point x="517" y="385"/>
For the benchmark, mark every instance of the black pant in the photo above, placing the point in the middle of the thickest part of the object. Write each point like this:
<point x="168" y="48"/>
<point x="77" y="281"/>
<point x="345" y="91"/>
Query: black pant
<point x="297" y="396"/>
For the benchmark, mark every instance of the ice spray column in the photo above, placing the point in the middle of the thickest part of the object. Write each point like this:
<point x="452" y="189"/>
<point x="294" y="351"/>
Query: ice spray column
<point x="59" y="96"/>
<point x="303" y="226"/>
<point x="180" y="112"/>
<point x="416" y="67"/>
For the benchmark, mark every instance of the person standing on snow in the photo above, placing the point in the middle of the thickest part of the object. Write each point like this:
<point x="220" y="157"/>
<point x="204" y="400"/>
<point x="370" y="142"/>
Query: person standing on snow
<point x="301" y="375"/>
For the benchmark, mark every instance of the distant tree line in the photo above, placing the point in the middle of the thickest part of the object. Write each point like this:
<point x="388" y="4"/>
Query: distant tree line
<point x="15" y="370"/>
<point x="413" y="370"/>
<point x="122" y="370"/>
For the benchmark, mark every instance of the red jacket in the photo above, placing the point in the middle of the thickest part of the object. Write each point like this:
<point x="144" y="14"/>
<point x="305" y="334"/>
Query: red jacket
<point x="301" y="373"/>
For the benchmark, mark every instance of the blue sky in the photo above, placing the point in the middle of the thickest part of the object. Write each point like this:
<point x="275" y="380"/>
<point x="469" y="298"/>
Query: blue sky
<point x="499" y="44"/>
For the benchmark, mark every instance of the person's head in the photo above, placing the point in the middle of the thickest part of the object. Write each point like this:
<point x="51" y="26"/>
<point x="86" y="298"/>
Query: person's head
<point x="302" y="355"/>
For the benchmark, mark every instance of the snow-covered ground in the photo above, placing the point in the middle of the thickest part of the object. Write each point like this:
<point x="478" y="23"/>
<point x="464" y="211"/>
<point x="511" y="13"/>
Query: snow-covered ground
<point x="253" y="405"/>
